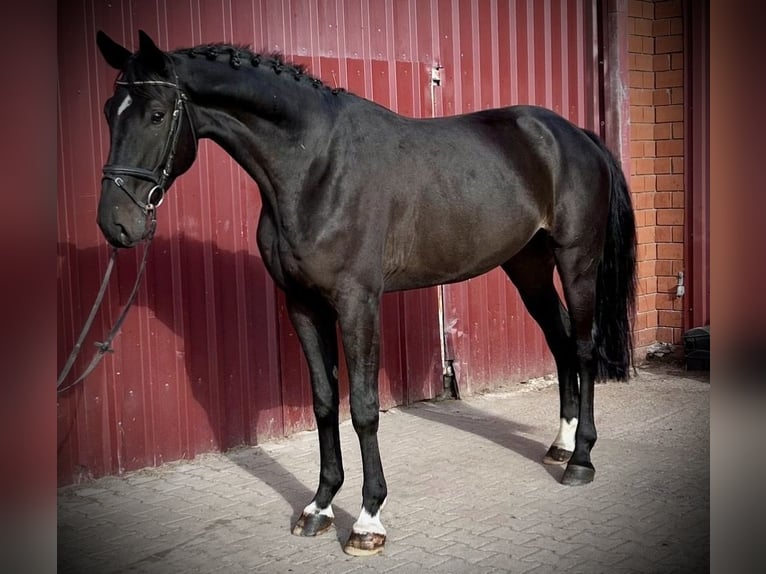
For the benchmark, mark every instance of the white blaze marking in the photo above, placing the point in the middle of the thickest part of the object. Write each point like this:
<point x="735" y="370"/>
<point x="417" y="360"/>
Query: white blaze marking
<point x="124" y="105"/>
<point x="566" y="437"/>
<point x="314" y="509"/>
<point x="367" y="523"/>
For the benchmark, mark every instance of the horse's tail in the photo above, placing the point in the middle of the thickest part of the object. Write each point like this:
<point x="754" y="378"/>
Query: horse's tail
<point x="616" y="282"/>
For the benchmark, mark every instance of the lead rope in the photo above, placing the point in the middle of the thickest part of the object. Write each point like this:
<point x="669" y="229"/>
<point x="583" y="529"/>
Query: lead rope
<point x="106" y="346"/>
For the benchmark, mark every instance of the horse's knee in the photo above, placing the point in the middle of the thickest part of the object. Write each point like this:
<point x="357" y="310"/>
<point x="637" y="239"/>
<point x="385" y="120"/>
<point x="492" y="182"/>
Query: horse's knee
<point x="365" y="416"/>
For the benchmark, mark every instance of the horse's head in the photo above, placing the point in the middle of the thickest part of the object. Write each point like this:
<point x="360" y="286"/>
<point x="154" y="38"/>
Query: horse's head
<point x="152" y="139"/>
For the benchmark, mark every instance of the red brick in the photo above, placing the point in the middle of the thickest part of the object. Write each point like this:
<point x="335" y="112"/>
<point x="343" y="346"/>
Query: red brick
<point x="650" y="149"/>
<point x="661" y="132"/>
<point x="643" y="200"/>
<point x="642" y="97"/>
<point x="651" y="319"/>
<point x="678" y="266"/>
<point x="643" y="62"/>
<point x="650" y="182"/>
<point x="661" y="28"/>
<point x="647" y="285"/>
<point x="677" y="26"/>
<point x="677" y="95"/>
<point x="670" y="216"/>
<point x="665" y="301"/>
<point x="660" y="62"/>
<point x="665" y="335"/>
<point x="649" y="10"/>
<point x="666" y="284"/>
<point x="636" y="149"/>
<point x="651" y="216"/>
<point x="669" y="114"/>
<point x="668" y="147"/>
<point x="662" y="200"/>
<point x="677" y="164"/>
<point x="646" y="303"/>
<point x="641" y="114"/>
<point x="646" y="268"/>
<point x="643" y="132"/>
<point x="644" y="166"/>
<point x="635" y="44"/>
<point x="645" y="235"/>
<point x="670" y="182"/>
<point x="679" y="200"/>
<point x="670" y="318"/>
<point x="643" y="27"/>
<point x="668" y="44"/>
<point x="646" y="251"/>
<point x="646" y="337"/>
<point x="667" y="9"/>
<point x="661" y="97"/>
<point x="662" y="165"/>
<point x="647" y="46"/>
<point x="678" y="234"/>
<point x="678" y="130"/>
<point x="669" y="79"/>
<point x="663" y="234"/>
<point x="669" y="250"/>
<point x="664" y="268"/>
<point x="635" y="79"/>
<point x="677" y="61"/>
<point x="636" y="9"/>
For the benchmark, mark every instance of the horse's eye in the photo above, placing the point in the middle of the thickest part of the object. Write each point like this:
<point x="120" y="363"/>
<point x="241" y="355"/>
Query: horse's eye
<point x="157" y="117"/>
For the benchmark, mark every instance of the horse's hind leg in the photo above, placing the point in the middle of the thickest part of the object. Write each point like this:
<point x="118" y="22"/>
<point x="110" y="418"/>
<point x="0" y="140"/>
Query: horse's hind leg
<point x="578" y="269"/>
<point x="314" y="321"/>
<point x="531" y="271"/>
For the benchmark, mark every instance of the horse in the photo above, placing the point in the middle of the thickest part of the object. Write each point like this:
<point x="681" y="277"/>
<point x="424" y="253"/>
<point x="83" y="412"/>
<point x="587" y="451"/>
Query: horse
<point x="358" y="201"/>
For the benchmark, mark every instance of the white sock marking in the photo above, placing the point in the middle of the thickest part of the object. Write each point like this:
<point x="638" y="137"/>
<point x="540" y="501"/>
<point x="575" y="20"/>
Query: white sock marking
<point x="367" y="523"/>
<point x="124" y="105"/>
<point x="566" y="437"/>
<point x="314" y="509"/>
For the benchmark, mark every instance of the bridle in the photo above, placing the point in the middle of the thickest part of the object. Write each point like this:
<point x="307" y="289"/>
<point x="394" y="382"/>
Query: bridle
<point x="160" y="175"/>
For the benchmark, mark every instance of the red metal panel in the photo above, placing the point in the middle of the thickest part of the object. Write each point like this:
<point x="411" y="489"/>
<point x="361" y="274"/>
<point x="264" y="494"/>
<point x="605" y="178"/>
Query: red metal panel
<point x="208" y="359"/>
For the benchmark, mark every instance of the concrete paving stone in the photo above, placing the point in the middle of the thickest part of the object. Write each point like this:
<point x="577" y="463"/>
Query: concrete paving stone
<point x="467" y="493"/>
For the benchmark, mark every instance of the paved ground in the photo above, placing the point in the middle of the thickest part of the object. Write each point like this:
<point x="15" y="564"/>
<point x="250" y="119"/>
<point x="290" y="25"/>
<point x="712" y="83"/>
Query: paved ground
<point x="467" y="493"/>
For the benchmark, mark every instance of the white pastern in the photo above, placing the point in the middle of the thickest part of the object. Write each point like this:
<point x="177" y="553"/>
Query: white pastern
<point x="566" y="437"/>
<point x="314" y="509"/>
<point x="124" y="105"/>
<point x="369" y="523"/>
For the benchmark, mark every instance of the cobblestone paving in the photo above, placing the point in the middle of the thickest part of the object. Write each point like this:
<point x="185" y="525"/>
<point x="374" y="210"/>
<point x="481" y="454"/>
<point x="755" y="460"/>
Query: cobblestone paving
<point x="467" y="493"/>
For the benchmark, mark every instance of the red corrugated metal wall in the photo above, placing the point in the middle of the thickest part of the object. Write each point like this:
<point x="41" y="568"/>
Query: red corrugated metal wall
<point x="207" y="358"/>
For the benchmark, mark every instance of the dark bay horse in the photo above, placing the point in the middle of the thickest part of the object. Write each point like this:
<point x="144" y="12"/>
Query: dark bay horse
<point x="358" y="201"/>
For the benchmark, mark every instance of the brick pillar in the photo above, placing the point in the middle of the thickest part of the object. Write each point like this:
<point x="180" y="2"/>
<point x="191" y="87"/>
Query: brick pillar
<point x="656" y="69"/>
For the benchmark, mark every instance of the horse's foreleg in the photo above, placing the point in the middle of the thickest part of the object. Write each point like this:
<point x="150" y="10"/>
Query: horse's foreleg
<point x="360" y="324"/>
<point x="314" y="321"/>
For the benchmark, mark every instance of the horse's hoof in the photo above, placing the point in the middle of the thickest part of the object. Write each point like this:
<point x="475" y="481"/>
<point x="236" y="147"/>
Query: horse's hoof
<point x="312" y="524"/>
<point x="576" y="475"/>
<point x="365" y="544"/>
<point x="557" y="455"/>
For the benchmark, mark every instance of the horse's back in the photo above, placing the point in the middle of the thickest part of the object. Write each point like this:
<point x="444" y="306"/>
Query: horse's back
<point x="458" y="196"/>
<point x="428" y="201"/>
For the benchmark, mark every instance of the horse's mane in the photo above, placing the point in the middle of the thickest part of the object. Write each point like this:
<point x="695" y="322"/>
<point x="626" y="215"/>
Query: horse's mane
<point x="243" y="55"/>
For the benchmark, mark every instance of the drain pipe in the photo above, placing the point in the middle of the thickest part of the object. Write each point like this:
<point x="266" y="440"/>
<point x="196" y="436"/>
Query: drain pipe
<point x="450" y="389"/>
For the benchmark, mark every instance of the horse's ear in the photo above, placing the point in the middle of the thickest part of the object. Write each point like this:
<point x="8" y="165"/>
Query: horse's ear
<point x="150" y="54"/>
<point x="114" y="54"/>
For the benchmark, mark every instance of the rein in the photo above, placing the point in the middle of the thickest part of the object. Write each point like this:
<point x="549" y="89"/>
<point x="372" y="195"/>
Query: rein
<point x="106" y="346"/>
<point x="159" y="177"/>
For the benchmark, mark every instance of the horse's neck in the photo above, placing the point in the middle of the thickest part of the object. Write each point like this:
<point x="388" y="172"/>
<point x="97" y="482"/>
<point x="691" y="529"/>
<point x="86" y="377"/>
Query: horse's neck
<point x="270" y="124"/>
